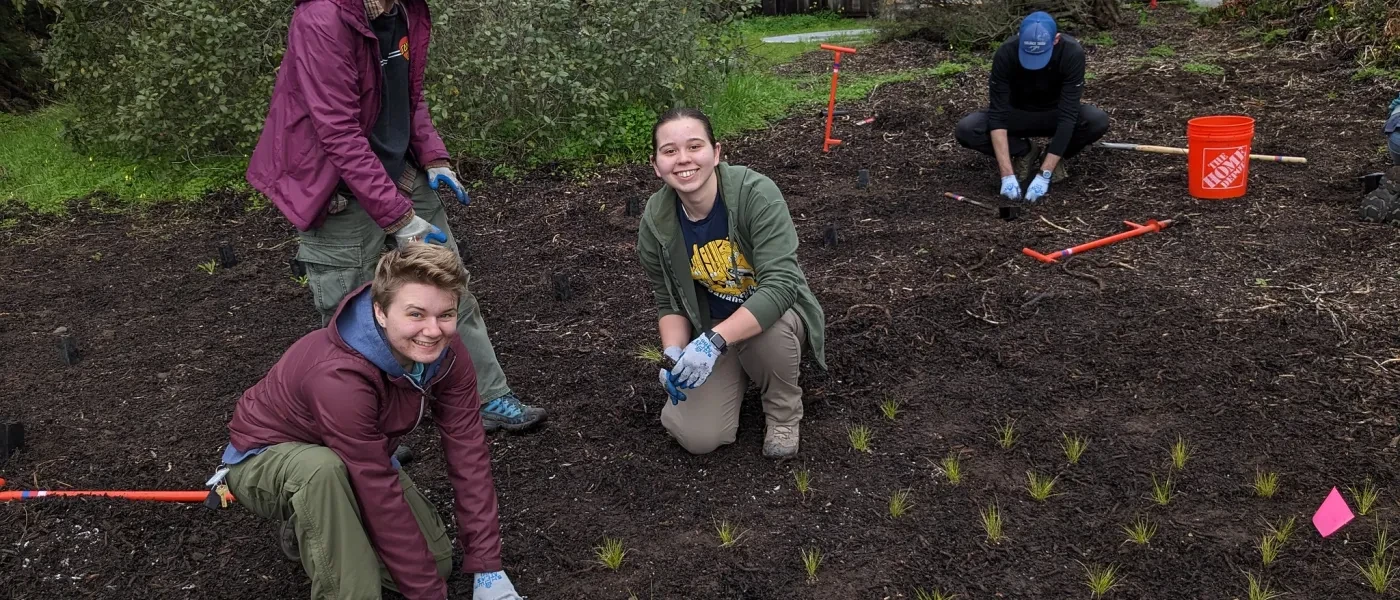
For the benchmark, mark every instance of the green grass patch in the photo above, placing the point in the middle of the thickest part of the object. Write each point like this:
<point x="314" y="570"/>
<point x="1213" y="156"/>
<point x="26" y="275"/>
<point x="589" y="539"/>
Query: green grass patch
<point x="1102" y="39"/>
<point x="824" y="20"/>
<point x="1203" y="69"/>
<point x="1161" y="51"/>
<point x="39" y="170"/>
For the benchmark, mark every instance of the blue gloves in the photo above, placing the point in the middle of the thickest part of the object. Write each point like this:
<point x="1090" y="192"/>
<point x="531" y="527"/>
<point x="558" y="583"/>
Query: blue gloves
<point x="438" y="176"/>
<point x="695" y="364"/>
<point x="1010" y="188"/>
<point x="419" y="230"/>
<point x="1039" y="187"/>
<point x="494" y="586"/>
<point x="668" y="381"/>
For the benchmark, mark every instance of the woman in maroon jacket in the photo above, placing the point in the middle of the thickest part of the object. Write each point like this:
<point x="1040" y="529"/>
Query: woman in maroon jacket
<point x="311" y="443"/>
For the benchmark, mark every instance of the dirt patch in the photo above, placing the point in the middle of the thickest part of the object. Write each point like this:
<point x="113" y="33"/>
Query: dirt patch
<point x="1263" y="334"/>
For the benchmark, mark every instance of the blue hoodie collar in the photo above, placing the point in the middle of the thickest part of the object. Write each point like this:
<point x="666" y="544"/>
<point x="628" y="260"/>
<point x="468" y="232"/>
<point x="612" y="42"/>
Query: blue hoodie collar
<point x="358" y="328"/>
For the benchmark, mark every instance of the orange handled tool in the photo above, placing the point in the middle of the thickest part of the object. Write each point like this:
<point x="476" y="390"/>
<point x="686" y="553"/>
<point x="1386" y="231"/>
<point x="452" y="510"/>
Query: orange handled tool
<point x="158" y="496"/>
<point x="827" y="140"/>
<point x="1133" y="231"/>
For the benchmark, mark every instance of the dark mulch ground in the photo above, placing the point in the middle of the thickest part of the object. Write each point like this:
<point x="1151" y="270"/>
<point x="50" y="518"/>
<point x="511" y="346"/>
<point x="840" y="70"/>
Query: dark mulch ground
<point x="1263" y="334"/>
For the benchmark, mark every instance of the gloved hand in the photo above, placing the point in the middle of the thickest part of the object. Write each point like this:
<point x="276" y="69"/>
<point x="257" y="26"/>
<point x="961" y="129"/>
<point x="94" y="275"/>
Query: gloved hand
<point x="668" y="381"/>
<point x="1010" y="188"/>
<point x="494" y="586"/>
<point x="438" y="176"/>
<point x="419" y="230"/>
<point x="1039" y="187"/>
<point x="695" y="364"/>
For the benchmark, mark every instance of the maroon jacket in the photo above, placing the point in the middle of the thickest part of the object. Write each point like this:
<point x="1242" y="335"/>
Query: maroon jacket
<point x="324" y="391"/>
<point x="323" y="108"/>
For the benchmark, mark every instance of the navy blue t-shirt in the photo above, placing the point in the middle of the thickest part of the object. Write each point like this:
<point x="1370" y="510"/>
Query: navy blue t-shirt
<point x="716" y="265"/>
<point x="390" y="136"/>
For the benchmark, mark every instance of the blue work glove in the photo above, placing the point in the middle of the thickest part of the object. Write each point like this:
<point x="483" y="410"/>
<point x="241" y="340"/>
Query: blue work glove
<point x="494" y="586"/>
<point x="668" y="381"/>
<point x="1010" y="188"/>
<point x="419" y="230"/>
<point x="1039" y="187"/>
<point x="438" y="176"/>
<point x="695" y="364"/>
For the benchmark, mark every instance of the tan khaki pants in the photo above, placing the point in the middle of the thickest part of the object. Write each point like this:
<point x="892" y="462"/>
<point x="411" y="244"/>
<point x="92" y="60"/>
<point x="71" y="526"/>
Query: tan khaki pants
<point x="709" y="416"/>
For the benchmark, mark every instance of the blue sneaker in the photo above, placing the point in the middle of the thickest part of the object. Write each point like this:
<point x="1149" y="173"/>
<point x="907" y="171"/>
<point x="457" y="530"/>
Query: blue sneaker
<point x="510" y="414"/>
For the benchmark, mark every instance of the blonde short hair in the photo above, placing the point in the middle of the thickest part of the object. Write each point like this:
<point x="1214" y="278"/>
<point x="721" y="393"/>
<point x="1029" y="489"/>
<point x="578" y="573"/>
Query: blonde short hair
<point x="428" y="264"/>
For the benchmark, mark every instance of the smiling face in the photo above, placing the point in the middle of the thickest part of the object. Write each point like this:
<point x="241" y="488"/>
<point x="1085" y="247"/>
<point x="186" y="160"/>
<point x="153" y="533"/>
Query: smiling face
<point x="419" y="322"/>
<point x="686" y="157"/>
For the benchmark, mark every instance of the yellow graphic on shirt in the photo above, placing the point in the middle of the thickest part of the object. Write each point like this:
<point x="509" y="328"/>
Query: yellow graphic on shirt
<point x="723" y="270"/>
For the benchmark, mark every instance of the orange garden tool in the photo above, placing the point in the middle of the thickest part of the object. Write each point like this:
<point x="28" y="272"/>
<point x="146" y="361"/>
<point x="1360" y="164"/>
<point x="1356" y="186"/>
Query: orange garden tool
<point x="157" y="496"/>
<point x="1134" y="230"/>
<point x="827" y="141"/>
<point x="1293" y="160"/>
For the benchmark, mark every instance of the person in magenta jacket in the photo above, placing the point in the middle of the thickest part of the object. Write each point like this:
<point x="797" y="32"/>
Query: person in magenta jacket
<point x="311" y="443"/>
<point x="349" y="155"/>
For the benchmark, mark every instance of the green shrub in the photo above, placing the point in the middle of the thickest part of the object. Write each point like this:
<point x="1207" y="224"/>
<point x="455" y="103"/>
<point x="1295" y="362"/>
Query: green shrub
<point x="1356" y="29"/>
<point x="522" y="80"/>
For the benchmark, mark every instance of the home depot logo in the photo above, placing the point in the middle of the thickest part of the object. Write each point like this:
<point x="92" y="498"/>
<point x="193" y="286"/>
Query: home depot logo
<point x="1225" y="167"/>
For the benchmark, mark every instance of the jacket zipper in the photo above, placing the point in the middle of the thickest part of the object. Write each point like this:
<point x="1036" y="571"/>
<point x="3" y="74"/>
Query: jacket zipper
<point x="423" y="394"/>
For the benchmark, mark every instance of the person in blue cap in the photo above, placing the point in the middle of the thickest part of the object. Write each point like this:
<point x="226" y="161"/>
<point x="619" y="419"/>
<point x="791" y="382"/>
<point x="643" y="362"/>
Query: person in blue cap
<point x="1035" y="88"/>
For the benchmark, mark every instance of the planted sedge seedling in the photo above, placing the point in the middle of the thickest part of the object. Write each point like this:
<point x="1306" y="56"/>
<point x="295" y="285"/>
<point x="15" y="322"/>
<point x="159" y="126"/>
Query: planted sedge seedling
<point x="1268" y="548"/>
<point x="922" y="594"/>
<point x="650" y="354"/>
<point x="1259" y="589"/>
<point x="729" y="533"/>
<point x="610" y="553"/>
<point x="1366" y="497"/>
<point x="1380" y="572"/>
<point x="1283" y="530"/>
<point x="890" y="408"/>
<point x="1162" y="490"/>
<point x="899" y="503"/>
<point x="992" y="524"/>
<point x="811" y="561"/>
<point x="1100" y="579"/>
<point x="803" y="479"/>
<point x="952" y="468"/>
<point x="1006" y="434"/>
<point x="1265" y="484"/>
<point x="1180" y="453"/>
<point x="1039" y="485"/>
<point x="1140" y="531"/>
<point x="1074" y="447"/>
<point x="859" y="436"/>
<point x="209" y="267"/>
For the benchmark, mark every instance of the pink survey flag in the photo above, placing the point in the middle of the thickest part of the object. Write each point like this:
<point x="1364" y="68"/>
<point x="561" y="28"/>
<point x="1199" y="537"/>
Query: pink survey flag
<point x="1332" y="515"/>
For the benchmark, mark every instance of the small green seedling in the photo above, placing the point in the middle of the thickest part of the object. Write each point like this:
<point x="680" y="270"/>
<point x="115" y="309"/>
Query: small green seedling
<point x="1265" y="484"/>
<point x="1366" y="497"/>
<point x="1006" y="433"/>
<point x="952" y="468"/>
<point x="1380" y="572"/>
<point x="1039" y="485"/>
<point x="992" y="524"/>
<point x="859" y="437"/>
<point x="302" y="280"/>
<point x="1140" y="531"/>
<point x="1268" y="548"/>
<point x="1074" y="447"/>
<point x="650" y="354"/>
<point x="1283" y="530"/>
<point x="1180" y="453"/>
<point x="729" y="533"/>
<point x="1202" y="69"/>
<point x="922" y="594"/>
<point x="803" y="479"/>
<point x="610" y="553"/>
<point x="899" y="503"/>
<point x="1259" y="589"/>
<point x="1100" y="579"/>
<point x="889" y="408"/>
<point x="209" y="267"/>
<point x="811" y="561"/>
<point x="1161" y="51"/>
<point x="1162" y="490"/>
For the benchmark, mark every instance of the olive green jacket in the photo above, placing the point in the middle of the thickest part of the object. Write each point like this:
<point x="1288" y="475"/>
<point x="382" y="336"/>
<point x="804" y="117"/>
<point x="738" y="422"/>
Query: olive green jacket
<point x="759" y="224"/>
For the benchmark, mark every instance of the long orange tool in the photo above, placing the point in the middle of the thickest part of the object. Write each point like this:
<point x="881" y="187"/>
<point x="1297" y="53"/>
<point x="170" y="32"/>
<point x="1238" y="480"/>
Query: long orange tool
<point x="827" y="141"/>
<point x="158" y="496"/>
<point x="1133" y="231"/>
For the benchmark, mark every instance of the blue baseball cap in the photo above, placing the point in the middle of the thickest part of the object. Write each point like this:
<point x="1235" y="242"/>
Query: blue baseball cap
<point x="1037" y="40"/>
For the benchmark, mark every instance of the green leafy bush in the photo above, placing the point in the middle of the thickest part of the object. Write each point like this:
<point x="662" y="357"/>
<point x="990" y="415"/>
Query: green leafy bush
<point x="522" y="80"/>
<point x="1364" y="30"/>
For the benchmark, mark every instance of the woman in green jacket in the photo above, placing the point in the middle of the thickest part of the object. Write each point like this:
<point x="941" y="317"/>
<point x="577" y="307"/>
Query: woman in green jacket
<point x="720" y="249"/>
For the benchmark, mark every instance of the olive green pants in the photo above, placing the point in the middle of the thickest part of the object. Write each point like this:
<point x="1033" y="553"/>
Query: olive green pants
<point x="311" y="482"/>
<point x="341" y="255"/>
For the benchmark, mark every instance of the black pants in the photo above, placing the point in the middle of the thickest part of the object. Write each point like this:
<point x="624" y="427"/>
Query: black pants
<point x="972" y="130"/>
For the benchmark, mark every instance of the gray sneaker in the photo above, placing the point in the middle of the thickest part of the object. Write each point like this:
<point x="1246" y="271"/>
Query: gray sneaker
<point x="510" y="414"/>
<point x="780" y="441"/>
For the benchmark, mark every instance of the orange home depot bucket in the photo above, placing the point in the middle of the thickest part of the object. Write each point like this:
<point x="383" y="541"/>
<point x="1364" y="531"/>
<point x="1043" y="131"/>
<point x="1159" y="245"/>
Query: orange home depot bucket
<point x="1218" y="163"/>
